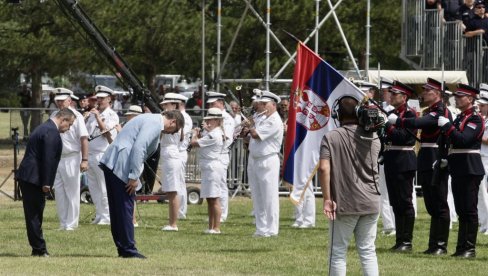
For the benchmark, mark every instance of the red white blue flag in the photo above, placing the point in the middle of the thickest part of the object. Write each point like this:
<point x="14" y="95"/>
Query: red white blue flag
<point x="316" y="86"/>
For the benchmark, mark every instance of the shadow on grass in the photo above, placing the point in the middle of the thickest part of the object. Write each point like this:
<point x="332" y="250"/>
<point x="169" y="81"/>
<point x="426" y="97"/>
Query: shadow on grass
<point x="244" y="250"/>
<point x="15" y="255"/>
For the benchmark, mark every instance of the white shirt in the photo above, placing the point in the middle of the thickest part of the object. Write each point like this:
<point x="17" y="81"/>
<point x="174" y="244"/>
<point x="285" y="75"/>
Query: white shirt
<point x="270" y="132"/>
<point x="183" y="145"/>
<point x="229" y="126"/>
<point x="110" y="119"/>
<point x="71" y="138"/>
<point x="237" y="119"/>
<point x="484" y="148"/>
<point x="211" y="144"/>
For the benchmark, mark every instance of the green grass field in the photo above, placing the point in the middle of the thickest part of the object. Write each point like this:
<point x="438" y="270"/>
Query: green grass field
<point x="89" y="250"/>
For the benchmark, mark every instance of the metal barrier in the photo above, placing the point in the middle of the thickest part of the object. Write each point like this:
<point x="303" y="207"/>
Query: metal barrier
<point x="412" y="28"/>
<point x="453" y="46"/>
<point x="428" y="41"/>
<point x="432" y="39"/>
<point x="473" y="61"/>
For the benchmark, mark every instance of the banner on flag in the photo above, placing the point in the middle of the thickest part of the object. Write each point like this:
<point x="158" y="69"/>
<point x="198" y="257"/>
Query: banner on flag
<point x="315" y="88"/>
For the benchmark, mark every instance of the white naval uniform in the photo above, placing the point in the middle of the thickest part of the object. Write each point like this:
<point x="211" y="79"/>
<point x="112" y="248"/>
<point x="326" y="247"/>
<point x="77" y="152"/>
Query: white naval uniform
<point x="386" y="210"/>
<point x="229" y="126"/>
<point x="171" y="166"/>
<point x="96" y="149"/>
<point x="483" y="193"/>
<point x="305" y="212"/>
<point x="263" y="171"/>
<point x="183" y="146"/>
<point x="67" y="182"/>
<point x="212" y="168"/>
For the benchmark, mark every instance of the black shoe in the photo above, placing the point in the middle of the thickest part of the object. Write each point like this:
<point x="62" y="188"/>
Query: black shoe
<point x="393" y="248"/>
<point x="40" y="254"/>
<point x="429" y="251"/>
<point x="137" y="255"/>
<point x="404" y="247"/>
<point x="470" y="253"/>
<point x="436" y="251"/>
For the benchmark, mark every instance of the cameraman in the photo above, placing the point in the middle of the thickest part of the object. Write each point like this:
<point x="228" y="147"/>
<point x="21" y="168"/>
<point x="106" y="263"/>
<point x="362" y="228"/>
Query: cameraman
<point x="349" y="187"/>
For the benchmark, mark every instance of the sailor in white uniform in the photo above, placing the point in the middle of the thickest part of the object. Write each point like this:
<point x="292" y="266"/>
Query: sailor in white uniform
<point x="483" y="192"/>
<point x="264" y="164"/>
<point x="211" y="142"/>
<point x="216" y="100"/>
<point x="74" y="159"/>
<point x="101" y="126"/>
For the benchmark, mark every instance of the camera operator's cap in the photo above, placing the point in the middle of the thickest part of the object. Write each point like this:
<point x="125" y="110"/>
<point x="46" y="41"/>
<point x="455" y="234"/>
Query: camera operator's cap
<point x="103" y="91"/>
<point x="214" y="96"/>
<point x="466" y="90"/>
<point x="433" y="84"/>
<point x="483" y="97"/>
<point x="364" y="85"/>
<point x="62" y="94"/>
<point x="399" y="87"/>
<point x="213" y="113"/>
<point x="134" y="110"/>
<point x="171" y="98"/>
<point x="83" y="96"/>
<point x="386" y="83"/>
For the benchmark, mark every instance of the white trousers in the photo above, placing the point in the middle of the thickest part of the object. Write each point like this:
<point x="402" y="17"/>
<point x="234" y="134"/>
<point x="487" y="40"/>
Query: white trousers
<point x="386" y="211"/>
<point x="182" y="192"/>
<point x="340" y="233"/>
<point x="483" y="199"/>
<point x="67" y="191"/>
<point x="305" y="212"/>
<point x="224" y="197"/>
<point x="264" y="179"/>
<point x="97" y="187"/>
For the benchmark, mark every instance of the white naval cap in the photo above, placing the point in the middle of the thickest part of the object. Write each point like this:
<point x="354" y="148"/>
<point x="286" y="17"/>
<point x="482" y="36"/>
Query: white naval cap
<point x="171" y="98"/>
<point x="364" y="85"/>
<point x="62" y="94"/>
<point x="213" y="113"/>
<point x="103" y="91"/>
<point x="386" y="83"/>
<point x="134" y="110"/>
<point x="483" y="87"/>
<point x="265" y="96"/>
<point x="483" y="97"/>
<point x="214" y="96"/>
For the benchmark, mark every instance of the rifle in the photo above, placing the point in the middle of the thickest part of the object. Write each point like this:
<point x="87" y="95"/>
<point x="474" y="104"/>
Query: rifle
<point x="440" y="166"/>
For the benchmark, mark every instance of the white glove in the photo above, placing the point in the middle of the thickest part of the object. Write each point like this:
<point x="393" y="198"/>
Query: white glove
<point x="392" y="118"/>
<point x="442" y="121"/>
<point x="443" y="163"/>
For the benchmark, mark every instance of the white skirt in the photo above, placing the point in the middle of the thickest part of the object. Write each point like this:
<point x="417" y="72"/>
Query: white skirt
<point x="212" y="171"/>
<point x="172" y="174"/>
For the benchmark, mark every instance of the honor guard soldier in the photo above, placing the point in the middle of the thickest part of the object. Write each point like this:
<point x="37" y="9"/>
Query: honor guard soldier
<point x="400" y="164"/>
<point x="216" y="100"/>
<point x="435" y="195"/>
<point x="465" y="166"/>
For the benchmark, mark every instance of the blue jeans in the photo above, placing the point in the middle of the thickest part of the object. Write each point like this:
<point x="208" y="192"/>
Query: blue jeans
<point x="364" y="229"/>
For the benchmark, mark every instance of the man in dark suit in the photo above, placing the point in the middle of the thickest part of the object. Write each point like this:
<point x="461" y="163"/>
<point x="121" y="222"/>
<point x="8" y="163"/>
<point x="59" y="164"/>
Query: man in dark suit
<point x="37" y="171"/>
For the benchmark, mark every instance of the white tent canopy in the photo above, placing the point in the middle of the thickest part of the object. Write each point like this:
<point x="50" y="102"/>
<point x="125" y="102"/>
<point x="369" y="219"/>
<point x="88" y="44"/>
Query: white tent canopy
<point x="418" y="77"/>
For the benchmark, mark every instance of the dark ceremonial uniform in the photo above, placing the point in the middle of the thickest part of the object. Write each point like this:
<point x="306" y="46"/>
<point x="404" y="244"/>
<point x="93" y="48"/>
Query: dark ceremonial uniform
<point x="400" y="165"/>
<point x="435" y="196"/>
<point x="466" y="169"/>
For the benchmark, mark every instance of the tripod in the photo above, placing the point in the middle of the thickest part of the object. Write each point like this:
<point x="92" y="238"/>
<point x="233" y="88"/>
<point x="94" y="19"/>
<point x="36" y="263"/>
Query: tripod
<point x="15" y="139"/>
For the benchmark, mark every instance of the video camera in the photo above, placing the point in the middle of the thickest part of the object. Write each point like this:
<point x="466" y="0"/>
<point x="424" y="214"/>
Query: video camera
<point x="370" y="118"/>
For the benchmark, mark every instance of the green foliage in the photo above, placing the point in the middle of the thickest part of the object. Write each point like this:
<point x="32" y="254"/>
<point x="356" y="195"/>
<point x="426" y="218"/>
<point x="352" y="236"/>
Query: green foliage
<point x="164" y="36"/>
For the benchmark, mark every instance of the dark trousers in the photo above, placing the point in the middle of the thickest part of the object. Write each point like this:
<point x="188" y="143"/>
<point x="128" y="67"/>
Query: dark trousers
<point x="435" y="196"/>
<point x="400" y="189"/>
<point x="149" y="172"/>
<point x="465" y="190"/>
<point x="34" y="201"/>
<point x="121" y="208"/>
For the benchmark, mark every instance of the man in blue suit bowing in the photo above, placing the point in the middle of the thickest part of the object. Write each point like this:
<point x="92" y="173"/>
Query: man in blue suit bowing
<point x="122" y="165"/>
<point x="37" y="171"/>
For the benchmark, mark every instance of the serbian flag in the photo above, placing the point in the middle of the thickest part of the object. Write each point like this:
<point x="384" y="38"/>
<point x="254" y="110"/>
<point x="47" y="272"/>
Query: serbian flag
<point x="316" y="87"/>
